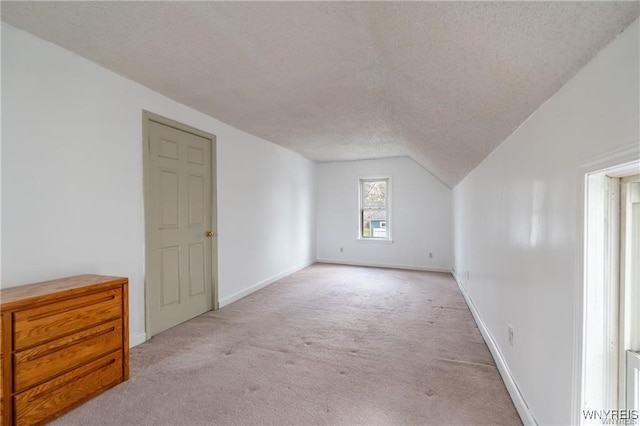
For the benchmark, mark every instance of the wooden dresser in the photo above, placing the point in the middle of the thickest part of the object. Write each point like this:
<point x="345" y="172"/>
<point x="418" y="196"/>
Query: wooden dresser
<point x="63" y="342"/>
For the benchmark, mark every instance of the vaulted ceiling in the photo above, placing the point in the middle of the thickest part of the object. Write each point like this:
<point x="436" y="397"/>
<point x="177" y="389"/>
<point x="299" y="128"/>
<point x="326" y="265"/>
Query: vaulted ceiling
<point x="441" y="82"/>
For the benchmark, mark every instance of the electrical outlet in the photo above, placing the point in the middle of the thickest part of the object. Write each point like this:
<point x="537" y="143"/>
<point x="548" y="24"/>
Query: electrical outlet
<point x="467" y="275"/>
<point x="430" y="255"/>
<point x="341" y="249"/>
<point x="510" y="334"/>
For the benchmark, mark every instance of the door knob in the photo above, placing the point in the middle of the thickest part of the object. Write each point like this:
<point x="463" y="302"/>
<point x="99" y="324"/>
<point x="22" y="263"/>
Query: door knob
<point x="209" y="234"/>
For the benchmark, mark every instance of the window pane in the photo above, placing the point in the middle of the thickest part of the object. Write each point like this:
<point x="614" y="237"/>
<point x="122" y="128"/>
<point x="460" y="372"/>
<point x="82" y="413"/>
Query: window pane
<point x="374" y="194"/>
<point x="374" y="223"/>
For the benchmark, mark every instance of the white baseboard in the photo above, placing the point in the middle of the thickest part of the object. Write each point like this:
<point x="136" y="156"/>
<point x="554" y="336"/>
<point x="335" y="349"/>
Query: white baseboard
<point x="239" y="295"/>
<point x="137" y="339"/>
<point x="518" y="400"/>
<point x="384" y="265"/>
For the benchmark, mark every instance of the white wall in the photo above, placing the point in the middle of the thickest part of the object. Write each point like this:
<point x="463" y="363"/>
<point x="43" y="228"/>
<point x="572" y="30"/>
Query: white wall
<point x="518" y="246"/>
<point x="421" y="216"/>
<point x="72" y="195"/>
<point x="0" y="162"/>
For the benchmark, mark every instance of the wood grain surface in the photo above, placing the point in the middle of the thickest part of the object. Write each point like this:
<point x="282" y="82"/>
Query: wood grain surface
<point x="63" y="342"/>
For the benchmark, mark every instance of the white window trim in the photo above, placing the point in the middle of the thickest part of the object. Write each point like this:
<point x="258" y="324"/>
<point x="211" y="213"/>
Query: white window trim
<point x="389" y="238"/>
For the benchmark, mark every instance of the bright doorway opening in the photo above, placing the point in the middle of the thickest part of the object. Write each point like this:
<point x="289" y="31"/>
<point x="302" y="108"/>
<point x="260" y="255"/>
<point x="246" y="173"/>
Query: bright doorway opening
<point x="611" y="297"/>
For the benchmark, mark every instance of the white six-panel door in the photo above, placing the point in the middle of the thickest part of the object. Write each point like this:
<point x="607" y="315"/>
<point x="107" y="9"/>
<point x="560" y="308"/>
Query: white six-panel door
<point x="179" y="279"/>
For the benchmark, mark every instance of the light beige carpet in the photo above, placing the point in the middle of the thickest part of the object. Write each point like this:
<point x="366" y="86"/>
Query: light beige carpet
<point x="327" y="345"/>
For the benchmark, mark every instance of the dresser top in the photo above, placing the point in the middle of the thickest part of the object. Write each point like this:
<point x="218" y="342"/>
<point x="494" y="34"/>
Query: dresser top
<point x="13" y="297"/>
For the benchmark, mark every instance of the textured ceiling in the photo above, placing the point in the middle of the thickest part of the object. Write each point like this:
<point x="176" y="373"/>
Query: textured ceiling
<point x="442" y="82"/>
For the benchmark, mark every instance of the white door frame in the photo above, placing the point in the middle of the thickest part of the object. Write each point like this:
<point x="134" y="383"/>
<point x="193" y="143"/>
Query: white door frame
<point x="147" y="118"/>
<point x="629" y="294"/>
<point x="596" y="276"/>
<point x="633" y="377"/>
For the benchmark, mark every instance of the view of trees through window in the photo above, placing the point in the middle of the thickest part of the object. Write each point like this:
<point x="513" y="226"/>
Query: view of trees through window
<point x="373" y="208"/>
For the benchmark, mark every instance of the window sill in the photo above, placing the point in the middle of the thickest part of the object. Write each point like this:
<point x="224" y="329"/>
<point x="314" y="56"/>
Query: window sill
<point x="375" y="240"/>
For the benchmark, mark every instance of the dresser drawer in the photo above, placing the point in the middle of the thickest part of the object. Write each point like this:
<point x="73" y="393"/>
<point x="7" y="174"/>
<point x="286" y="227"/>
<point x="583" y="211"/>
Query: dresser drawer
<point x="1" y="391"/>
<point x="42" y="362"/>
<point x="58" y="395"/>
<point x="47" y="322"/>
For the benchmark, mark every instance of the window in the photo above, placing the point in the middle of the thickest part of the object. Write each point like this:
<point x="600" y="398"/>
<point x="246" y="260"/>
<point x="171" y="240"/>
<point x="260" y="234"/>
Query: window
<point x="374" y="209"/>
